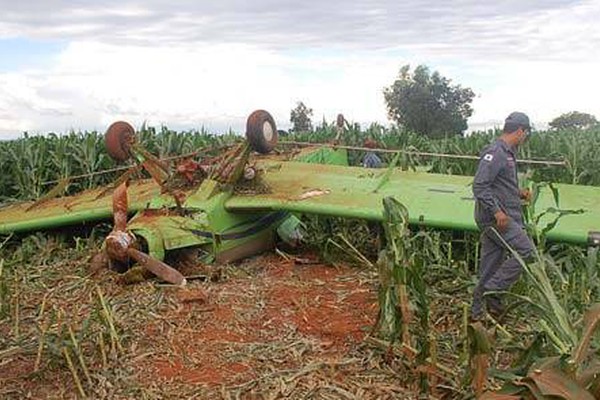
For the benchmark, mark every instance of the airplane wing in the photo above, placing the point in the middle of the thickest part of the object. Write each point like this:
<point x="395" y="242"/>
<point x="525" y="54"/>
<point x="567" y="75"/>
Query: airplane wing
<point x="96" y="204"/>
<point x="433" y="200"/>
<point x="91" y="205"/>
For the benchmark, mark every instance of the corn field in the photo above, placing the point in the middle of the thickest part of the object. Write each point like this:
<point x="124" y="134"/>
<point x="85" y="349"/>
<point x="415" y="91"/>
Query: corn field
<point x="423" y="327"/>
<point x="31" y="165"/>
<point x="578" y="148"/>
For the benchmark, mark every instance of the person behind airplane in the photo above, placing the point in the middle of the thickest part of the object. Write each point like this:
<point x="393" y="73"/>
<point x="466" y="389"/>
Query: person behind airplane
<point x="371" y="159"/>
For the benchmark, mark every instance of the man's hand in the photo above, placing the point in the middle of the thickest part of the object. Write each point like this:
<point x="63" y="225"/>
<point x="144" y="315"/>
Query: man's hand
<point x="501" y="220"/>
<point x="526" y="195"/>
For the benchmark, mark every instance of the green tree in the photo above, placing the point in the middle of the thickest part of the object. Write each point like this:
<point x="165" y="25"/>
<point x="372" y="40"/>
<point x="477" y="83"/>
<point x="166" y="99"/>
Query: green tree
<point x="300" y="118"/>
<point x="428" y="103"/>
<point x="573" y="120"/>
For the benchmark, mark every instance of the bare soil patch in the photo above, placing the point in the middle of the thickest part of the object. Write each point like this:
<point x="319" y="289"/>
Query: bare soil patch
<point x="269" y="328"/>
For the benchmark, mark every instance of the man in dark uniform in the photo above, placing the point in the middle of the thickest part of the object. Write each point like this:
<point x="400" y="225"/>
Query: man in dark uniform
<point x="371" y="159"/>
<point x="499" y="217"/>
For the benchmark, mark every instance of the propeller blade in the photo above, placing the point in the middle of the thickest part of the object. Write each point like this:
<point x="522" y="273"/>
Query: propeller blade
<point x="158" y="268"/>
<point x="120" y="207"/>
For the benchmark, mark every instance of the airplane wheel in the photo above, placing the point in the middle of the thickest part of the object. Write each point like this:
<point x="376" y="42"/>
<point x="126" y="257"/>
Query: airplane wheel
<point x="261" y="131"/>
<point x="118" y="139"/>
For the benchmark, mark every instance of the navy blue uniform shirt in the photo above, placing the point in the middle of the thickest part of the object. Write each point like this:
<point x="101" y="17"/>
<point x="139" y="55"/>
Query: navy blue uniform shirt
<point x="496" y="186"/>
<point x="372" y="160"/>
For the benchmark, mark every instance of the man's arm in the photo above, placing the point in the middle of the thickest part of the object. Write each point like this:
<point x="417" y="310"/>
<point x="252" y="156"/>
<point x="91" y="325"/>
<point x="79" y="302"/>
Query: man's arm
<point x="490" y="164"/>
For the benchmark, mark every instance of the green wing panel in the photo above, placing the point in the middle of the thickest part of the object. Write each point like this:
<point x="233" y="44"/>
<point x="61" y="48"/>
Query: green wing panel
<point x="323" y="155"/>
<point x="440" y="201"/>
<point x="81" y="208"/>
<point x="572" y="228"/>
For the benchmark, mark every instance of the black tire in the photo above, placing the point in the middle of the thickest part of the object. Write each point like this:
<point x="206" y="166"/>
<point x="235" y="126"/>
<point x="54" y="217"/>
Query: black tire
<point x="118" y="139"/>
<point x="261" y="131"/>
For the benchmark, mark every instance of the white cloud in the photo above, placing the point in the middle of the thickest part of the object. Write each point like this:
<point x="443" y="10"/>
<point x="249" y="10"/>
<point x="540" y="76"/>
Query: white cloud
<point x="544" y="90"/>
<point x="188" y="64"/>
<point x="190" y="86"/>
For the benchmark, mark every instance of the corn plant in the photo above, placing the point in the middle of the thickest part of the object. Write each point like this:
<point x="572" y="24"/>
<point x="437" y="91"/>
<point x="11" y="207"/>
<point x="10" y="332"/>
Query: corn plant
<point x="31" y="165"/>
<point x="403" y="293"/>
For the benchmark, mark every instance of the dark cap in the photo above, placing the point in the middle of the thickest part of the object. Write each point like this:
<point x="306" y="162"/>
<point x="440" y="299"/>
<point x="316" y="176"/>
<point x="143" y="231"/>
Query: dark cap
<point x="515" y="121"/>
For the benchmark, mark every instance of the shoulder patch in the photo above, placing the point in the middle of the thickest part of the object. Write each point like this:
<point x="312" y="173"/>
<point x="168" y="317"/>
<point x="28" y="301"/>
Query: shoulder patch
<point x="488" y="157"/>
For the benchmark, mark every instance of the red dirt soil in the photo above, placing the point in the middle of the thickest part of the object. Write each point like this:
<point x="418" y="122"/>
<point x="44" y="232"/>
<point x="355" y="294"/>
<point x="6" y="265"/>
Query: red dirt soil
<point x="329" y="307"/>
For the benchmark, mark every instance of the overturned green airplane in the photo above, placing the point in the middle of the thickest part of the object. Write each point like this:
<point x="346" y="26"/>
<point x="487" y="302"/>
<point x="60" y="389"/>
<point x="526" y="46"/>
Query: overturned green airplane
<point x="230" y="207"/>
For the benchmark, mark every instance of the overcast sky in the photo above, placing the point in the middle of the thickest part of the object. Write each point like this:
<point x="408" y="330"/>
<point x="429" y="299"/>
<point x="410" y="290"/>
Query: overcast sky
<point x="186" y="64"/>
